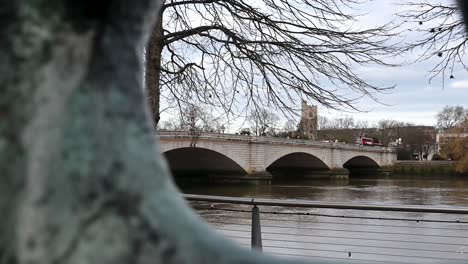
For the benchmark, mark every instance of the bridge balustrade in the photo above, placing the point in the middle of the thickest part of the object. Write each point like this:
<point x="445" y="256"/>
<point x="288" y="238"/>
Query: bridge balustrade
<point x="265" y="139"/>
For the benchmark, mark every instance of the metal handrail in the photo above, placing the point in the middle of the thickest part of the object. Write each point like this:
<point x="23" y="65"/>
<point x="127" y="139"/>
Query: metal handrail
<point x="369" y="235"/>
<point x="320" y="204"/>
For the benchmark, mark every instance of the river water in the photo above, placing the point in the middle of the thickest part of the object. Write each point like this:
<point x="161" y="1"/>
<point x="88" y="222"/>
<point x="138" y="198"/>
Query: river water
<point x="331" y="234"/>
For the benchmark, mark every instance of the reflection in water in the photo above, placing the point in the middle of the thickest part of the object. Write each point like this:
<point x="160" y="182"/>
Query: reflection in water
<point x="317" y="233"/>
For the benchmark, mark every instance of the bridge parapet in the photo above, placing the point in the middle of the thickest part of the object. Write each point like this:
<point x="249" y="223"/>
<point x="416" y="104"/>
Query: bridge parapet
<point x="270" y="140"/>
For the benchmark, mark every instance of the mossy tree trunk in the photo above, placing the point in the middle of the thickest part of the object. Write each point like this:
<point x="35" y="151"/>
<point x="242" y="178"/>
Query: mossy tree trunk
<point x="78" y="154"/>
<point x="83" y="180"/>
<point x="72" y="126"/>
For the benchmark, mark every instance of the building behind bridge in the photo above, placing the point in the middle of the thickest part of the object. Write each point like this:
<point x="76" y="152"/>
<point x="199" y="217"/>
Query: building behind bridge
<point x="416" y="142"/>
<point x="307" y="126"/>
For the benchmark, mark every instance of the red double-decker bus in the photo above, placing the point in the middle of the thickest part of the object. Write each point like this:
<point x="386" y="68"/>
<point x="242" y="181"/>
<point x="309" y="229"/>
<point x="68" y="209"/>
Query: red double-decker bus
<point x="368" y="141"/>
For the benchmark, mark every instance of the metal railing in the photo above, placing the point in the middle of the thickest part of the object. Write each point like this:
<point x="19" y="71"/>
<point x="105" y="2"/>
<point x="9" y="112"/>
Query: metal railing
<point x="365" y="232"/>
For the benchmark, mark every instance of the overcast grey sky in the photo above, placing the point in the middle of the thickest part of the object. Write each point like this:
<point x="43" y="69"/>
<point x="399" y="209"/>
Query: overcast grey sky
<point x="414" y="99"/>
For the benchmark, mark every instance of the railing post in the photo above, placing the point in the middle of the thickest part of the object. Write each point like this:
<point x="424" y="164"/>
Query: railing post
<point x="256" y="240"/>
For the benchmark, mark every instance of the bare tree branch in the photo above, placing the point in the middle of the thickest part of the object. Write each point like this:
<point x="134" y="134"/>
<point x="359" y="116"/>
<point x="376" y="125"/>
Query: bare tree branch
<point x="238" y="55"/>
<point x="443" y="35"/>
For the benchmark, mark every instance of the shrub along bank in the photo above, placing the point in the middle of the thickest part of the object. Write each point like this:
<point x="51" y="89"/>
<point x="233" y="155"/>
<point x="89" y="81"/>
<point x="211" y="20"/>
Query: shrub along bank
<point x="425" y="168"/>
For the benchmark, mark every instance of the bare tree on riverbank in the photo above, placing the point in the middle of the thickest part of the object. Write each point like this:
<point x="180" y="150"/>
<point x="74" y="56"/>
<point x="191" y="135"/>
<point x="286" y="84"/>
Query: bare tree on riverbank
<point x="240" y="55"/>
<point x="194" y="118"/>
<point x="452" y="116"/>
<point x="263" y="122"/>
<point x="341" y="122"/>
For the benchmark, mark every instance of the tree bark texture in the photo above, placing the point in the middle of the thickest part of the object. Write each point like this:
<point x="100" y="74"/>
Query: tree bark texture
<point x="153" y="67"/>
<point x="14" y="114"/>
<point x="82" y="163"/>
<point x="78" y="148"/>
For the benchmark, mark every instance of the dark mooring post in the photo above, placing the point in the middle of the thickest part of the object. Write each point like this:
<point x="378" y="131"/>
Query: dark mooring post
<point x="256" y="229"/>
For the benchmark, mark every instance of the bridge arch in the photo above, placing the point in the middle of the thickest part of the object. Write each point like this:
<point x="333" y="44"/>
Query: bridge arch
<point x="297" y="164"/>
<point x="200" y="161"/>
<point x="317" y="156"/>
<point x="233" y="151"/>
<point x="361" y="161"/>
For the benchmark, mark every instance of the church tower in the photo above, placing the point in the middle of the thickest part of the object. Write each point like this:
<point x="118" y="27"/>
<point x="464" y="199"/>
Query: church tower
<point x="308" y="124"/>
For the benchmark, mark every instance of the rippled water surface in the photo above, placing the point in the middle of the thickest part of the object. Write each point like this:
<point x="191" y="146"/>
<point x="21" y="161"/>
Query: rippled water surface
<point x="447" y="191"/>
<point x="332" y="234"/>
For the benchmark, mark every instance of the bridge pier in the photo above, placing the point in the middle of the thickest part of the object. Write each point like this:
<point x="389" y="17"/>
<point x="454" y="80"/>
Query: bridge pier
<point x="339" y="173"/>
<point x="382" y="171"/>
<point x="259" y="175"/>
<point x="251" y="177"/>
<point x="220" y="177"/>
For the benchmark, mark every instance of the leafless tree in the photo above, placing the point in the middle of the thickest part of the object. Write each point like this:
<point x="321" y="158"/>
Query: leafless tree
<point x="170" y="124"/>
<point x="240" y="55"/>
<point x="289" y="129"/>
<point x="342" y="122"/>
<point x="443" y="35"/>
<point x="322" y="122"/>
<point x="361" y="124"/>
<point x="290" y="126"/>
<point x="191" y="117"/>
<point x="194" y="118"/>
<point x="418" y="139"/>
<point x="343" y="128"/>
<point x="263" y="122"/>
<point x="83" y="178"/>
<point x="451" y="116"/>
<point x="389" y="130"/>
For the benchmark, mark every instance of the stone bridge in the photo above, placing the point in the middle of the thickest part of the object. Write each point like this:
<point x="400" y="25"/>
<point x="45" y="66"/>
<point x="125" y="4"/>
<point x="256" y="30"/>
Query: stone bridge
<point x="260" y="157"/>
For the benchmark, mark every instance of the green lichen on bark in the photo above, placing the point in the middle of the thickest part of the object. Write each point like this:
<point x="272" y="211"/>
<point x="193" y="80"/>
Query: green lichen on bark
<point x="40" y="21"/>
<point x="11" y="152"/>
<point x="96" y="188"/>
<point x="28" y="29"/>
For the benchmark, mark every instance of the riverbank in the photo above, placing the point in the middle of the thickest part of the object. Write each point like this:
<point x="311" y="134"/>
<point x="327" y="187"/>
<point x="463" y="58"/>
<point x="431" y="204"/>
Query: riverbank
<point x="419" y="168"/>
